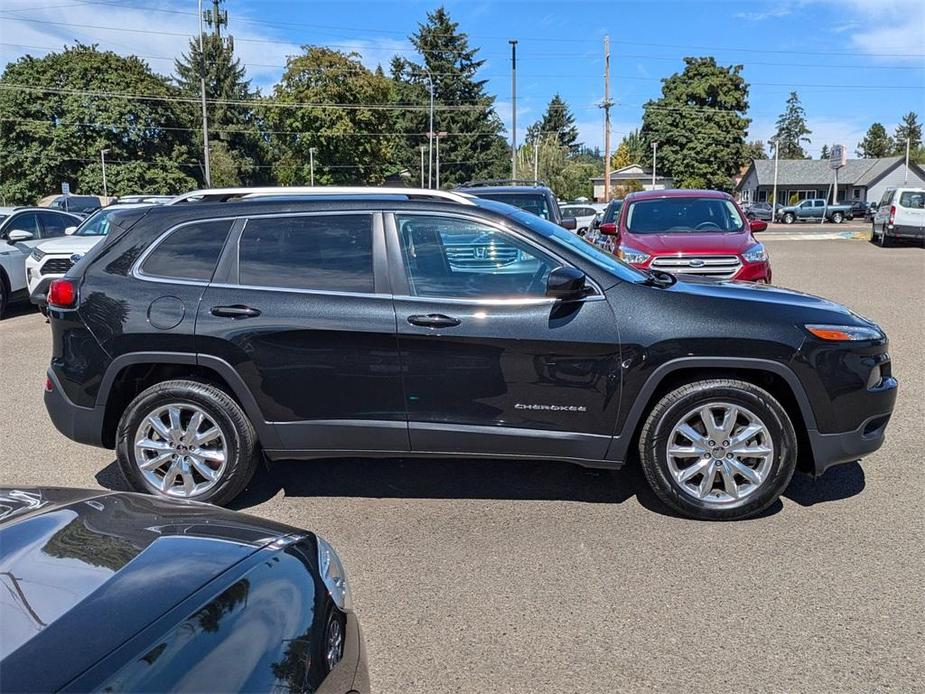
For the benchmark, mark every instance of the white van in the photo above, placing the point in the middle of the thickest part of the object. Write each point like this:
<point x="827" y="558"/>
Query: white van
<point x="901" y="214"/>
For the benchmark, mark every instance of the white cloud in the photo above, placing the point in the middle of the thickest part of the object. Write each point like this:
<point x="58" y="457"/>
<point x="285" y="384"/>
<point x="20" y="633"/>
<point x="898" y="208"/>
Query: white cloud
<point x="762" y="15"/>
<point x="894" y="27"/>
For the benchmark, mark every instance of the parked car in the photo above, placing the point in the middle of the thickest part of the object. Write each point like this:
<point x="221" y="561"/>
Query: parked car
<point x="534" y="197"/>
<point x="76" y="204"/>
<point x="900" y="215"/>
<point x="111" y="591"/>
<point x="583" y="214"/>
<point x="20" y="231"/>
<point x="858" y="209"/>
<point x="814" y="209"/>
<point x="149" y="199"/>
<point x="52" y="259"/>
<point x="604" y="228"/>
<point x="323" y="326"/>
<point x="692" y="232"/>
<point x="762" y="211"/>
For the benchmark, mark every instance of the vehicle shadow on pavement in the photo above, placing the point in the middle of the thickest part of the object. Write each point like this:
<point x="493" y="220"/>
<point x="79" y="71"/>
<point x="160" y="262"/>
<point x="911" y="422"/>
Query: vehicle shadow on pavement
<point x="425" y="478"/>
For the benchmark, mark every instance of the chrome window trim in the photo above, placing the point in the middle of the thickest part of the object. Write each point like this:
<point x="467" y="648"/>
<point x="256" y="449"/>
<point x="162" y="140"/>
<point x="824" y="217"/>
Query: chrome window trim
<point x="290" y="290"/>
<point x="136" y="266"/>
<point x="514" y="231"/>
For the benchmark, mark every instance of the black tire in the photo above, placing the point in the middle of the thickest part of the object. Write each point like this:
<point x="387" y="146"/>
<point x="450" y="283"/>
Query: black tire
<point x="3" y="294"/>
<point x="666" y="414"/>
<point x="788" y="218"/>
<point x="838" y="218"/>
<point x="242" y="448"/>
<point x="883" y="241"/>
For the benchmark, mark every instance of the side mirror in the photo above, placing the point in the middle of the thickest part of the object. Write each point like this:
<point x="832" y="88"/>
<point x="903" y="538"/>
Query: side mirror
<point x="757" y="225"/>
<point x="566" y="284"/>
<point x="17" y="235"/>
<point x="70" y="230"/>
<point x="609" y="229"/>
<point x="569" y="223"/>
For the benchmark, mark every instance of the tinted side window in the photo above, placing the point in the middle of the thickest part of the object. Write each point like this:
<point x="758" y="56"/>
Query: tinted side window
<point x="55" y="224"/>
<point x="189" y="253"/>
<point x="914" y="200"/>
<point x="321" y="252"/>
<point x="25" y="222"/>
<point x="456" y="258"/>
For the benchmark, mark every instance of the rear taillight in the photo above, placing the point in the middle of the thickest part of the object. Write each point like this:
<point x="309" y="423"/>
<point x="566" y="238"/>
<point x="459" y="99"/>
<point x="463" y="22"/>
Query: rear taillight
<point x="892" y="214"/>
<point x="62" y="293"/>
<point x="49" y="384"/>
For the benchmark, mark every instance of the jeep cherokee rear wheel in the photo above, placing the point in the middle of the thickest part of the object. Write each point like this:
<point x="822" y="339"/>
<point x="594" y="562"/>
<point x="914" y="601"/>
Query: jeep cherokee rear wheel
<point x="718" y="449"/>
<point x="186" y="440"/>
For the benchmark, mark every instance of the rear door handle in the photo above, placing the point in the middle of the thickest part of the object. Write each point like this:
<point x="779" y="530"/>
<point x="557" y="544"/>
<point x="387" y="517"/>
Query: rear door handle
<point x="434" y="320"/>
<point x="236" y="311"/>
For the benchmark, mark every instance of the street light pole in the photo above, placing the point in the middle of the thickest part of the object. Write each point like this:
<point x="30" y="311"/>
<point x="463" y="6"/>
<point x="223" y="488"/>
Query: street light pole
<point x="654" y="156"/>
<point x="774" y="193"/>
<point x="442" y="133"/>
<point x="103" y="162"/>
<point x="205" y="119"/>
<point x="536" y="161"/>
<point x="311" y="162"/>
<point x="430" y="129"/>
<point x="906" y="174"/>
<point x="513" y="108"/>
<point x="423" y="147"/>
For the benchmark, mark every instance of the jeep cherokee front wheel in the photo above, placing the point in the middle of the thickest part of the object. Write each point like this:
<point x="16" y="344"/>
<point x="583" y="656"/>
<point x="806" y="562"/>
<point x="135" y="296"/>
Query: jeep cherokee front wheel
<point x="718" y="449"/>
<point x="186" y="440"/>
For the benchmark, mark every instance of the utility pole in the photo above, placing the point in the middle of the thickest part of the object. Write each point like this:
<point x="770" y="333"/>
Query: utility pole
<point x="606" y="106"/>
<point x="205" y="118"/>
<point x="430" y="130"/>
<point x="513" y="108"/>
<point x="774" y="194"/>
<point x="311" y="162"/>
<point x="442" y="133"/>
<point x="103" y="162"/>
<point x="906" y="174"/>
<point x="216" y="18"/>
<point x="654" y="158"/>
<point x="423" y="147"/>
<point x="536" y="161"/>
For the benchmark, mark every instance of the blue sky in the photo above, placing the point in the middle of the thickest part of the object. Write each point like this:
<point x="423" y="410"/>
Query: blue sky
<point x="853" y="62"/>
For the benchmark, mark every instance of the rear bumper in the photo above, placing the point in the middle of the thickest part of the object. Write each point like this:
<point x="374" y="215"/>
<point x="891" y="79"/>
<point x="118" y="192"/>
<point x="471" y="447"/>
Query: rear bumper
<point x="81" y="424"/>
<point x="39" y="295"/>
<point x="906" y="231"/>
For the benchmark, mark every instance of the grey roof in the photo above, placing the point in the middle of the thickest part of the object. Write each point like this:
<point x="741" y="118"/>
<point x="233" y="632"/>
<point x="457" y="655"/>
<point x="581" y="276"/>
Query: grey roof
<point x="856" y="172"/>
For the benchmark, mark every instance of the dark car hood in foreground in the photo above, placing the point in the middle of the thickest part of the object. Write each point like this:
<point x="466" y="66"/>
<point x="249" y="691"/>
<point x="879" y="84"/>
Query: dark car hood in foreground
<point x="73" y="559"/>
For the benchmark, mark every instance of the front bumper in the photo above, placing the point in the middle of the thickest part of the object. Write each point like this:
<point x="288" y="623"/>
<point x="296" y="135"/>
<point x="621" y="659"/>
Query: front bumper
<point x="848" y="446"/>
<point x="81" y="424"/>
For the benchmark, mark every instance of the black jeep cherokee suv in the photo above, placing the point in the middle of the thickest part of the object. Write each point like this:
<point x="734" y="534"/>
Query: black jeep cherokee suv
<point x="199" y="336"/>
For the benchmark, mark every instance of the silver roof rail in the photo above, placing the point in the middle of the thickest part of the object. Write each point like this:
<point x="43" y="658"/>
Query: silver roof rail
<point x="225" y="194"/>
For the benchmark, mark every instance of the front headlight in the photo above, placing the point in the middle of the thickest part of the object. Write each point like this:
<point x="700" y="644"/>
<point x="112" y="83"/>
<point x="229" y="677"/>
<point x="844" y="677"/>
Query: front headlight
<point x="844" y="333"/>
<point x="756" y="254"/>
<point x="333" y="575"/>
<point x="37" y="254"/>
<point x="631" y="255"/>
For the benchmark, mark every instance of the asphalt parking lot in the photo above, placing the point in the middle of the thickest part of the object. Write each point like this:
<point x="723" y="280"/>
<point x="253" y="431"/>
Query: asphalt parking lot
<point x="482" y="576"/>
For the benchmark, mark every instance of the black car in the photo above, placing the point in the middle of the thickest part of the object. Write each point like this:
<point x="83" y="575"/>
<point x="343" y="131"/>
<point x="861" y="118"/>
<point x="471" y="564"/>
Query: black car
<point x="199" y="337"/>
<point x="761" y="210"/>
<point x="125" y="592"/>
<point x="859" y="210"/>
<point x="533" y="196"/>
<point x="77" y="204"/>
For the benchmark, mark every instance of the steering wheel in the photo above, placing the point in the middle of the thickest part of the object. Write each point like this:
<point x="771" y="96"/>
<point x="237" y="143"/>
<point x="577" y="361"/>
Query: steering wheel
<point x="706" y="225"/>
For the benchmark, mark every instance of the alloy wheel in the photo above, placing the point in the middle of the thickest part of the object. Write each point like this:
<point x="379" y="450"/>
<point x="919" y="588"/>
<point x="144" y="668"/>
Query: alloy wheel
<point x="334" y="649"/>
<point x="720" y="453"/>
<point x="180" y="450"/>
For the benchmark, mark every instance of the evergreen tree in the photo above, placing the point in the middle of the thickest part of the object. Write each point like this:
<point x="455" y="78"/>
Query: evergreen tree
<point x="233" y="127"/>
<point x="558" y="121"/>
<point x="631" y="150"/>
<point x="909" y="128"/>
<point x="754" y="150"/>
<point x="699" y="124"/>
<point x="475" y="146"/>
<point x="876" y="143"/>
<point x="792" y="130"/>
<point x="824" y="152"/>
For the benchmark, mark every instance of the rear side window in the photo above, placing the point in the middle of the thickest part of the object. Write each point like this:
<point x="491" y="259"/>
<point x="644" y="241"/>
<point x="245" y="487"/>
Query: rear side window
<point x="913" y="199"/>
<point x="318" y="252"/>
<point x="55" y="224"/>
<point x="189" y="253"/>
<point x="535" y="203"/>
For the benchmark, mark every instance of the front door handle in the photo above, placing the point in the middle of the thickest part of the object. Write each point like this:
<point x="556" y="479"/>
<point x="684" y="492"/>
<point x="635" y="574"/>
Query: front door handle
<point x="434" y="320"/>
<point x="236" y="311"/>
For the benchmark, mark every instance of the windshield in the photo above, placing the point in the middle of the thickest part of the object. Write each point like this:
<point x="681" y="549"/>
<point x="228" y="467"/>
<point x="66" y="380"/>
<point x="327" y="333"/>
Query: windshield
<point x="683" y="215"/>
<point x="535" y="203"/>
<point x="572" y="242"/>
<point x="96" y="224"/>
<point x="613" y="210"/>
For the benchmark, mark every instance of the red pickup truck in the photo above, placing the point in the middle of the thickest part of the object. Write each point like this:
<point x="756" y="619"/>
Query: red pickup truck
<point x="694" y="232"/>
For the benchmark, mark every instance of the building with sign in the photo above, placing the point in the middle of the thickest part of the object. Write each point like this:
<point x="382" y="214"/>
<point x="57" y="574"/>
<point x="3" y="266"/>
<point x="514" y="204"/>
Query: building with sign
<point x="803" y="179"/>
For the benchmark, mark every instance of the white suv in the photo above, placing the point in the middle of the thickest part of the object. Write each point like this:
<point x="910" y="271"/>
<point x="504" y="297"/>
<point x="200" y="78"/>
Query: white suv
<point x="901" y="214"/>
<point x="52" y="259"/>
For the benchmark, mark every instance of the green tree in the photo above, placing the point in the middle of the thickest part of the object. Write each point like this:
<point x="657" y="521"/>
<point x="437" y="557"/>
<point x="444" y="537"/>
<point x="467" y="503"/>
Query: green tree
<point x="909" y="128"/>
<point x="792" y="130"/>
<point x="876" y="143"/>
<point x="824" y="152"/>
<point x="631" y="150"/>
<point x="327" y="100"/>
<point x="53" y="132"/>
<point x="236" y="150"/>
<point x="754" y="150"/>
<point x="699" y="124"/>
<point x="568" y="174"/>
<point x="557" y="121"/>
<point x="475" y="146"/>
